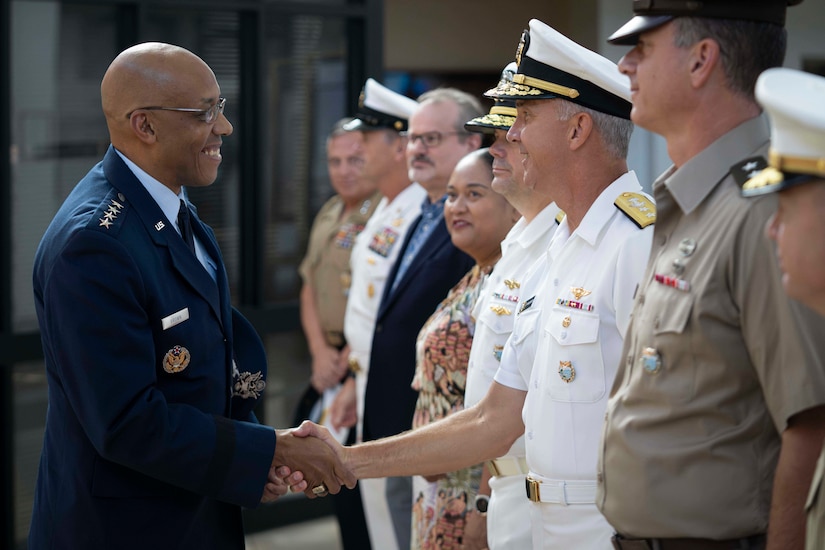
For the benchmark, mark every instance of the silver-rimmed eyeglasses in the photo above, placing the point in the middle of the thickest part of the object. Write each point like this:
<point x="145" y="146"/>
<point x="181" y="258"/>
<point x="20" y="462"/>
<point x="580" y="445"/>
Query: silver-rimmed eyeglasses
<point x="209" y="115"/>
<point x="429" y="139"/>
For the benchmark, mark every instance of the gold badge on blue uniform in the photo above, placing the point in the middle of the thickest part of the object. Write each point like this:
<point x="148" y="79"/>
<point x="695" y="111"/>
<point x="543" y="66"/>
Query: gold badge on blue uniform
<point x="176" y="359"/>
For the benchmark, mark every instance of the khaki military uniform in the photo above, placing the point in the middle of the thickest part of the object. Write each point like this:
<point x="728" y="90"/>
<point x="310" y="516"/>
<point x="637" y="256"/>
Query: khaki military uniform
<point x="715" y="362"/>
<point x="326" y="264"/>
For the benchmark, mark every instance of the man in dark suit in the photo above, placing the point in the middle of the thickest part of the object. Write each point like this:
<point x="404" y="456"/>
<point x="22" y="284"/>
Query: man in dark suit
<point x="150" y="437"/>
<point x="427" y="268"/>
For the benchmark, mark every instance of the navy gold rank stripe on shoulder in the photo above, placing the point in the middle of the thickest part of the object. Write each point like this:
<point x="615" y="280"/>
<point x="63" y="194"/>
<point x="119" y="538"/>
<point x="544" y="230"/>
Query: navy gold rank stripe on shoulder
<point x="637" y="207"/>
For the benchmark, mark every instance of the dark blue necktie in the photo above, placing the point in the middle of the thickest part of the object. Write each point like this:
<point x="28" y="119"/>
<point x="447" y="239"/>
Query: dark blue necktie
<point x="185" y="225"/>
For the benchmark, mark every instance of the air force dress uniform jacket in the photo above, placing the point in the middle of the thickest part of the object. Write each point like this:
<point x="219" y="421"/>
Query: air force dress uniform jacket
<point x="584" y="299"/>
<point x="150" y="437"/>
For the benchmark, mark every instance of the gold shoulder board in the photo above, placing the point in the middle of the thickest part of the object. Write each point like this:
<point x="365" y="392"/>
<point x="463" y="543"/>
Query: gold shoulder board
<point x="637" y="207"/>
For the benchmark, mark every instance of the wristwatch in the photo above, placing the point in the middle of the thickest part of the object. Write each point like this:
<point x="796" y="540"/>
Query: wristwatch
<point x="482" y="503"/>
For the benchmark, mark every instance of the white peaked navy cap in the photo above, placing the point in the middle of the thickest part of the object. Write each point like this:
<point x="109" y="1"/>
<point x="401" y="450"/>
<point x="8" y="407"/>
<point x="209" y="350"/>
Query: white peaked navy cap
<point x="795" y="104"/>
<point x="379" y="107"/>
<point x="550" y="65"/>
<point x="502" y="114"/>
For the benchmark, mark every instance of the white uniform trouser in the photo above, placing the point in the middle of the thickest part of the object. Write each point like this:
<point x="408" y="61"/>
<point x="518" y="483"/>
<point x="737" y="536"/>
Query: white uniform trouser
<point x="507" y="527"/>
<point x="564" y="527"/>
<point x="377" y="514"/>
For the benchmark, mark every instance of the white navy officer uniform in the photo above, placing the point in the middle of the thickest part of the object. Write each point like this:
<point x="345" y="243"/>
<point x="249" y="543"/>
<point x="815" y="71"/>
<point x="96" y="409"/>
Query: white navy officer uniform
<point x="373" y="255"/>
<point x="495" y="313"/>
<point x="576" y="318"/>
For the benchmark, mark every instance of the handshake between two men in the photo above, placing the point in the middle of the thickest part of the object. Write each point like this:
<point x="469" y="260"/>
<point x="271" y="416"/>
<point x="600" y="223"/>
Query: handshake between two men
<point x="306" y="464"/>
<point x="309" y="459"/>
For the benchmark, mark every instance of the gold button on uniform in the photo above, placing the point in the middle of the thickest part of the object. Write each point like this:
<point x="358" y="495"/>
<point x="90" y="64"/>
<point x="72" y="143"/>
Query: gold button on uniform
<point x="566" y="322"/>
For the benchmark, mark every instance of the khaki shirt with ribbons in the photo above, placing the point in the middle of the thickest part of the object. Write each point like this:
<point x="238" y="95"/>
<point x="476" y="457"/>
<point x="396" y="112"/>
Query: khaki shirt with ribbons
<point x="715" y="361"/>
<point x="326" y="264"/>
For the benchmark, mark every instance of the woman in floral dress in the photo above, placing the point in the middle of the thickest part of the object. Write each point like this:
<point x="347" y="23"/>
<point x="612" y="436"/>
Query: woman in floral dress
<point x="478" y="219"/>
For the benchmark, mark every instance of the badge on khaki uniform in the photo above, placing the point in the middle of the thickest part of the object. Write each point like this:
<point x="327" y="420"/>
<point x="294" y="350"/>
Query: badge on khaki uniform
<point x="650" y="361"/>
<point x="346" y="235"/>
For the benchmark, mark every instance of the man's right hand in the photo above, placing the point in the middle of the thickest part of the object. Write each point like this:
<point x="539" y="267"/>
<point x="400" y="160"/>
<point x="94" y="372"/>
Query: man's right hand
<point x="311" y="430"/>
<point x="315" y="459"/>
<point x="343" y="412"/>
<point x="327" y="367"/>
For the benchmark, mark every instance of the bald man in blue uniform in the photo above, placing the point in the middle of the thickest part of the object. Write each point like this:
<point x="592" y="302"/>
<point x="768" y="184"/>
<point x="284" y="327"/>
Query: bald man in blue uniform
<point x="150" y="438"/>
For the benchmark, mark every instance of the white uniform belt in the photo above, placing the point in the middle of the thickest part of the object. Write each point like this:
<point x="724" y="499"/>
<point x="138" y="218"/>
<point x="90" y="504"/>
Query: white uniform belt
<point x="556" y="491"/>
<point x="508" y="466"/>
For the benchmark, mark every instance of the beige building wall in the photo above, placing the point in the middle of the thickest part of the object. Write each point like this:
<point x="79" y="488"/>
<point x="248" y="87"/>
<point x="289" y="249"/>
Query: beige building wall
<point x="456" y="36"/>
<point x="481" y="35"/>
<point x="465" y="35"/>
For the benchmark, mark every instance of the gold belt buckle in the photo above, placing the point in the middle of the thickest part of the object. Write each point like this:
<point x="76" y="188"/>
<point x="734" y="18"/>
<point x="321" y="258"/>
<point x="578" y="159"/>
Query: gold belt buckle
<point x="532" y="487"/>
<point x="494" y="471"/>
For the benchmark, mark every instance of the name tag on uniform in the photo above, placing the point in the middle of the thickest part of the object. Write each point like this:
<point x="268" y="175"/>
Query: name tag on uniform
<point x="175" y="319"/>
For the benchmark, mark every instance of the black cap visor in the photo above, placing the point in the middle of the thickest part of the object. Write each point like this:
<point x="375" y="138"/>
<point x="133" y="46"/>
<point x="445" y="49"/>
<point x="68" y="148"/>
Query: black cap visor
<point x="628" y="34"/>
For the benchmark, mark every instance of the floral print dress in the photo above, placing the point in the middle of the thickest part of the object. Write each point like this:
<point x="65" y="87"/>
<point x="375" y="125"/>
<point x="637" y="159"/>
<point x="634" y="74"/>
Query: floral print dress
<point x="442" y="354"/>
